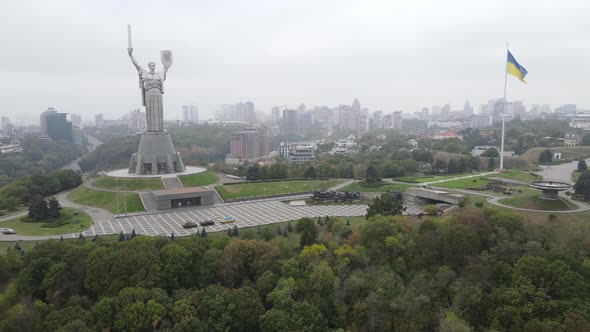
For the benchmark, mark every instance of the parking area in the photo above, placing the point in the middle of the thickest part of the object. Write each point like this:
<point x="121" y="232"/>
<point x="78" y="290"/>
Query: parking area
<point x="246" y="215"/>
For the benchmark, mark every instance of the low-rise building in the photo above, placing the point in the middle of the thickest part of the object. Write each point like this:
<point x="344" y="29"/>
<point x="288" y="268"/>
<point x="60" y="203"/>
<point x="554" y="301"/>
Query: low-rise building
<point x="447" y="134"/>
<point x="571" y="138"/>
<point x="301" y="155"/>
<point x="478" y="150"/>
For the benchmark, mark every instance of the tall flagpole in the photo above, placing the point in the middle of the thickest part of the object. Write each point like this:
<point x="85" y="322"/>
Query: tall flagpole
<point x="504" y="110"/>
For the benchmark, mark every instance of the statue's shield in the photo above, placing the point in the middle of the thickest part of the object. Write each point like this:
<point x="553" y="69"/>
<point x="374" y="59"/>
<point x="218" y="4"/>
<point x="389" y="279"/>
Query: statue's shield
<point x="166" y="57"/>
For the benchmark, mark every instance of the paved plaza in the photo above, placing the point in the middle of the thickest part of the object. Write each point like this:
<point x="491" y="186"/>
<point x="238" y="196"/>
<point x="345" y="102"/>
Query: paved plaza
<point x="246" y="214"/>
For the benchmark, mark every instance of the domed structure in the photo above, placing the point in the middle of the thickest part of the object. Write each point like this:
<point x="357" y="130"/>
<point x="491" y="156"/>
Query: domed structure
<point x="550" y="189"/>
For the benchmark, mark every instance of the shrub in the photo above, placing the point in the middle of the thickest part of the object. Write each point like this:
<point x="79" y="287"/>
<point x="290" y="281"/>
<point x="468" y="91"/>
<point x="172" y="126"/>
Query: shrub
<point x="431" y="209"/>
<point x="479" y="204"/>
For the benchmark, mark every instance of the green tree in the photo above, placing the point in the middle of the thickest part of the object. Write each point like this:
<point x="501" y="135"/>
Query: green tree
<point x="38" y="208"/>
<point x="582" y="167"/>
<point x="372" y="174"/>
<point x="491" y="152"/>
<point x="386" y="205"/>
<point x="53" y="208"/>
<point x="546" y="156"/>
<point x="491" y="163"/>
<point x="582" y="186"/>
<point x="309" y="172"/>
<point x="308" y="231"/>
<point x="176" y="262"/>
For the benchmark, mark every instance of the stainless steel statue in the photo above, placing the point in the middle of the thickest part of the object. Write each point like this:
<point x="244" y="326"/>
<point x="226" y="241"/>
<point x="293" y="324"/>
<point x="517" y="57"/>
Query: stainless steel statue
<point x="151" y="84"/>
<point x="156" y="154"/>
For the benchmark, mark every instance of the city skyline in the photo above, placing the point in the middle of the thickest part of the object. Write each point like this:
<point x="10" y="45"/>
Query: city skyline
<point x="389" y="56"/>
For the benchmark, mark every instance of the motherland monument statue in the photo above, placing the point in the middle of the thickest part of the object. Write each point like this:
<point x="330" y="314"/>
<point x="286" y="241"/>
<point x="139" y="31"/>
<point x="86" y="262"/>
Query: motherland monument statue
<point x="156" y="153"/>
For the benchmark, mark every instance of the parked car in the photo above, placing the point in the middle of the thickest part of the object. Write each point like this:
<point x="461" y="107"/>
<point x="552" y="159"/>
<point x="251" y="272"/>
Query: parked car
<point x="8" y="231"/>
<point x="207" y="223"/>
<point x="228" y="219"/>
<point x="190" y="224"/>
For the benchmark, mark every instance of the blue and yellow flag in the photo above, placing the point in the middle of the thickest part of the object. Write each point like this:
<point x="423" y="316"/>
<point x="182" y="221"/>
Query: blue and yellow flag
<point x="513" y="68"/>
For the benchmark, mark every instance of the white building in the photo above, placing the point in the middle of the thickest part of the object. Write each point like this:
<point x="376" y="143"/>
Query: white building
<point x="478" y="150"/>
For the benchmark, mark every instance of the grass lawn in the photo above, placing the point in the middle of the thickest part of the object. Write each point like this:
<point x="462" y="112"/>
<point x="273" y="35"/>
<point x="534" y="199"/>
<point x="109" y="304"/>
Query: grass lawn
<point x="71" y="224"/>
<point x="105" y="200"/>
<point x="131" y="184"/>
<point x="358" y="186"/>
<point x="463" y="183"/>
<point x="8" y="213"/>
<point x="481" y="181"/>
<point x="272" y="188"/>
<point x="200" y="179"/>
<point x="536" y="203"/>
<point x="516" y="174"/>
<point x="429" y="178"/>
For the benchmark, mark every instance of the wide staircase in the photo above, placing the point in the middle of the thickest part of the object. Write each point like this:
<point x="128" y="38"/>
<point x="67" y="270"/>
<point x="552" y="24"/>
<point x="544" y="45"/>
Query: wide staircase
<point x="172" y="182"/>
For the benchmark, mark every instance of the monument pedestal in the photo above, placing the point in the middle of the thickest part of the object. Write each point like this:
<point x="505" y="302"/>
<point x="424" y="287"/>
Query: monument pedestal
<point x="156" y="155"/>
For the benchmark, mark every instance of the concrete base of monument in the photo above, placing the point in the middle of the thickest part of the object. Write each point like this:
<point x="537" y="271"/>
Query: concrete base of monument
<point x="156" y="155"/>
<point x="124" y="173"/>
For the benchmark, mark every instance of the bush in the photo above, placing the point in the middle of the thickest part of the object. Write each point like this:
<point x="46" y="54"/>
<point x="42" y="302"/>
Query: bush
<point x="431" y="209"/>
<point x="479" y="204"/>
<point x="461" y="203"/>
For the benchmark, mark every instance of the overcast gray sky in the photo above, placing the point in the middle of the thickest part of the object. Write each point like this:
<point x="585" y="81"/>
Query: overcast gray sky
<point x="391" y="55"/>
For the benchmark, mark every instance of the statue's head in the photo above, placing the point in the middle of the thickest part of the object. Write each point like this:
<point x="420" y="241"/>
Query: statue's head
<point x="152" y="65"/>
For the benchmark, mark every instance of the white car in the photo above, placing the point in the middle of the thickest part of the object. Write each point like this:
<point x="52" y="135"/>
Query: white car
<point x="7" y="231"/>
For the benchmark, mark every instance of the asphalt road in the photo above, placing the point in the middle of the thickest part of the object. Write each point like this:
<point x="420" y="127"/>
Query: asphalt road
<point x="561" y="173"/>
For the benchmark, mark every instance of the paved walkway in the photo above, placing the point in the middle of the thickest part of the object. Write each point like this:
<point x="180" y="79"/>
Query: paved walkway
<point x="247" y="214"/>
<point x="172" y="182"/>
<point x="94" y="212"/>
<point x="15" y="215"/>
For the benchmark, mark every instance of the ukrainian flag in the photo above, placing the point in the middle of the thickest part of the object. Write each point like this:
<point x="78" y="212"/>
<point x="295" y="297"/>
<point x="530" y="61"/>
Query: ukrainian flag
<point x="513" y="68"/>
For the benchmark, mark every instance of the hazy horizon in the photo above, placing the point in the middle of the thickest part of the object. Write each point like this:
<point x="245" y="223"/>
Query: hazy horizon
<point x="72" y="55"/>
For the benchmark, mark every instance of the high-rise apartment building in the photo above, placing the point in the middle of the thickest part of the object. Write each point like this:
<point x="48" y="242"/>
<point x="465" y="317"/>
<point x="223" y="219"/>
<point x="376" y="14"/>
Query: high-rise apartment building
<point x="76" y="119"/>
<point x="55" y="125"/>
<point x="190" y="113"/>
<point x="397" y="120"/>
<point x="249" y="144"/>
<point x="99" y="120"/>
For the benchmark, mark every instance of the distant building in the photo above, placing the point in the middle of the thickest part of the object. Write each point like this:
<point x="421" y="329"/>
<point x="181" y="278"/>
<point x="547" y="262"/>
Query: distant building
<point x="55" y="126"/>
<point x="244" y="112"/>
<point x="76" y="119"/>
<point x="190" y="113"/>
<point x="566" y="109"/>
<point x="5" y="123"/>
<point x="289" y="123"/>
<point x="447" y="134"/>
<point x="98" y="120"/>
<point x="571" y="138"/>
<point x="397" y="120"/>
<point x="301" y="155"/>
<point x="478" y="150"/>
<point x="76" y="135"/>
<point x="488" y="135"/>
<point x="285" y="148"/>
<point x="581" y="121"/>
<point x="275" y="115"/>
<point x="249" y="144"/>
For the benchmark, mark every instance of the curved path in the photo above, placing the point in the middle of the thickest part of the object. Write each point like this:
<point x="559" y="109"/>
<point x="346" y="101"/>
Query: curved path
<point x="581" y="207"/>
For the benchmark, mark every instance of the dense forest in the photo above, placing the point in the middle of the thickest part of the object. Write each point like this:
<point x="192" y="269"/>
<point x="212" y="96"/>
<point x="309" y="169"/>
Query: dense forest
<point x="37" y="157"/>
<point x="476" y="269"/>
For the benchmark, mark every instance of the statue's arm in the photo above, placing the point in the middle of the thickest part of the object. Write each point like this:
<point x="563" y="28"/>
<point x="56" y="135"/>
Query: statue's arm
<point x="164" y="73"/>
<point x="134" y="61"/>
